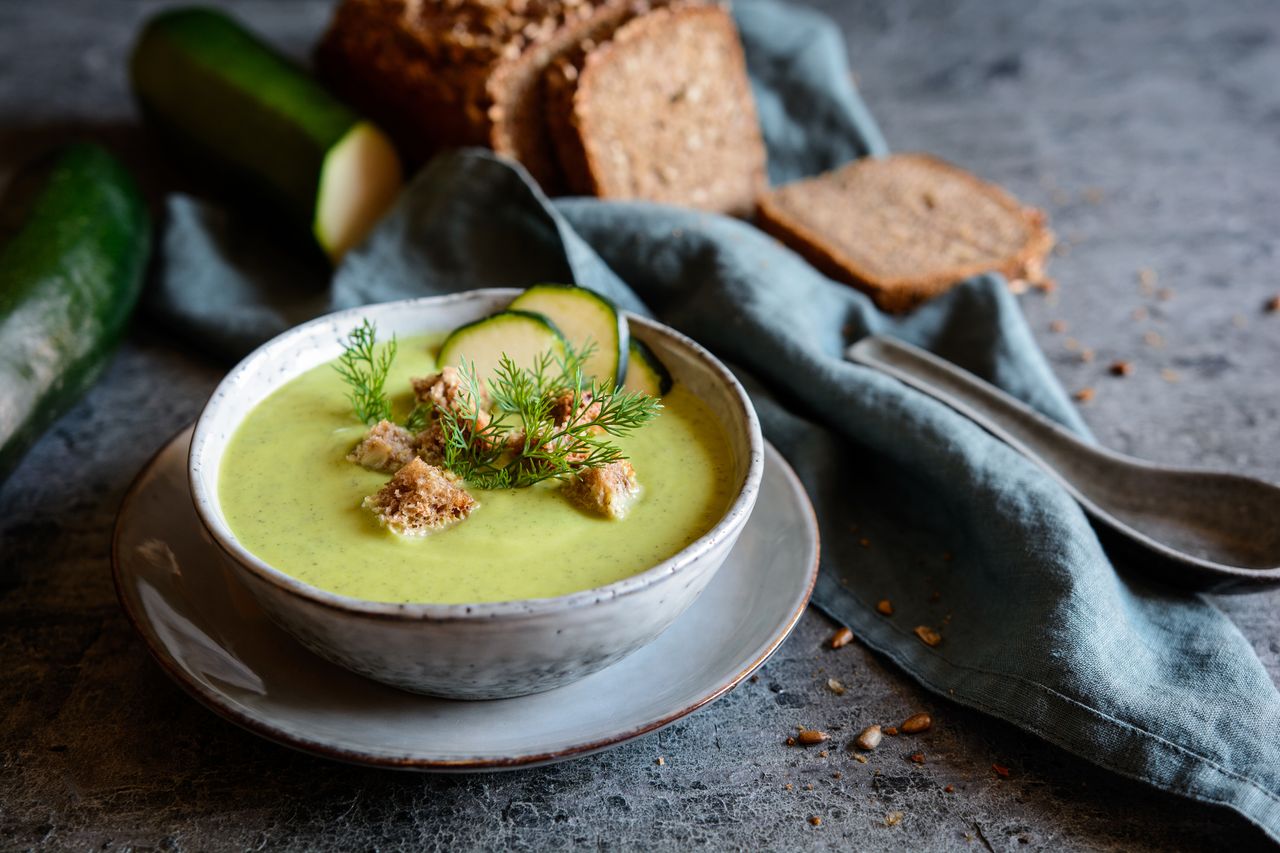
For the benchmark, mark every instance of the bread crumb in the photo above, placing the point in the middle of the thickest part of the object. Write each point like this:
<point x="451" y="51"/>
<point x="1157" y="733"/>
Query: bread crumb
<point x="1147" y="281"/>
<point x="864" y="542"/>
<point x="1170" y="375"/>
<point x="660" y="761"/>
<point x="445" y="390"/>
<point x="927" y="635"/>
<point x="891" y="731"/>
<point x="950" y="789"/>
<point x="835" y="687"/>
<point x="841" y="638"/>
<point x="1084" y="395"/>
<point x="1058" y="326"/>
<point x="1140" y="313"/>
<point x="1121" y="368"/>
<point x="1153" y="339"/>
<point x="1273" y="305"/>
<point x="1164" y="294"/>
<point x="885" y="607"/>
<point x="420" y="499"/>
<point x="815" y="820"/>
<point x="1001" y="770"/>
<point x="917" y="758"/>
<point x="1086" y="355"/>
<point x="608" y="490"/>
<point x="861" y="759"/>
<point x="893" y="818"/>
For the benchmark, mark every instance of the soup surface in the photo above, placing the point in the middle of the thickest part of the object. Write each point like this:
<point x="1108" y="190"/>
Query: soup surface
<point x="292" y="498"/>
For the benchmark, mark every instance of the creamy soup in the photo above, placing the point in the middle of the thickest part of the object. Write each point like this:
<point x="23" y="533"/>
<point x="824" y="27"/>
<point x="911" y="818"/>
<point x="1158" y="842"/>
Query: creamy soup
<point x="293" y="500"/>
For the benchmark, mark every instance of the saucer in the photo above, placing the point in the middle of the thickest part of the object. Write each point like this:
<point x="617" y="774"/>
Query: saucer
<point x="208" y="633"/>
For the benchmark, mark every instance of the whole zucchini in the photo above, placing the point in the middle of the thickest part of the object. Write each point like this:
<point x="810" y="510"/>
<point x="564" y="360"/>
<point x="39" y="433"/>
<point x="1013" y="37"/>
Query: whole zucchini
<point x="74" y="242"/>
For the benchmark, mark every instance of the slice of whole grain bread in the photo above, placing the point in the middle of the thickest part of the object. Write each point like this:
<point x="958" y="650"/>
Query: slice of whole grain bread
<point x="661" y="111"/>
<point x="442" y="73"/>
<point x="906" y="227"/>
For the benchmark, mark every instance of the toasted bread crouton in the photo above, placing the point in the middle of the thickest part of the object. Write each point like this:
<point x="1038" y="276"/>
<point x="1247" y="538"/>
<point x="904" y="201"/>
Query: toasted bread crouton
<point x="419" y="500"/>
<point x="562" y="408"/>
<point x="445" y="390"/>
<point x="385" y="447"/>
<point x="608" y="490"/>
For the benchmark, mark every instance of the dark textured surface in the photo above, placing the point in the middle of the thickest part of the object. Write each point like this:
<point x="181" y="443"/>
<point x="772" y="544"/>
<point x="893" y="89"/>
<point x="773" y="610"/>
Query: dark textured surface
<point x="1151" y="133"/>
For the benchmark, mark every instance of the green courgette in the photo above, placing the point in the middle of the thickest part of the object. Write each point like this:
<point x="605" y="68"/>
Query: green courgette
<point x="518" y="335"/>
<point x="244" y="111"/>
<point x="583" y="317"/>
<point x="645" y="372"/>
<point x="74" y="242"/>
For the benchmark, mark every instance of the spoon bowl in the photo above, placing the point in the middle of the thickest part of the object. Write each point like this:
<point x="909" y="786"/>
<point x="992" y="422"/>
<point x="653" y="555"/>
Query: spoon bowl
<point x="1212" y="530"/>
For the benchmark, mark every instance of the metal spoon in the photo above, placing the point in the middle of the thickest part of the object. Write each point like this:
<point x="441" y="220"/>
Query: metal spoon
<point x="1213" y="530"/>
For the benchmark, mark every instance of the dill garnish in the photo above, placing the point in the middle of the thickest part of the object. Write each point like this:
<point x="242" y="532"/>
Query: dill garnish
<point x="366" y="371"/>
<point x="522" y="444"/>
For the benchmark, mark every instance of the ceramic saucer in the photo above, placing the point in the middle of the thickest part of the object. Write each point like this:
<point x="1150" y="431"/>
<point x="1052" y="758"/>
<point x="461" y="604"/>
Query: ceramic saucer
<point x="209" y="635"/>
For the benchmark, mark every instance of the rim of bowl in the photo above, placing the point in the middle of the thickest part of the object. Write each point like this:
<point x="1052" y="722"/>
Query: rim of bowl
<point x="203" y="443"/>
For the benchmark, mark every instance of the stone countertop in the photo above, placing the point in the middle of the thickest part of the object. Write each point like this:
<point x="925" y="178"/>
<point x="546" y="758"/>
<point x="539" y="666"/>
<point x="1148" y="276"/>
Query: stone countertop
<point x="1151" y="134"/>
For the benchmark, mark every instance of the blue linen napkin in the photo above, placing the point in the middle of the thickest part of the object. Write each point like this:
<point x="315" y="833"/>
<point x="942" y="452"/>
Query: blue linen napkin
<point x="1039" y="625"/>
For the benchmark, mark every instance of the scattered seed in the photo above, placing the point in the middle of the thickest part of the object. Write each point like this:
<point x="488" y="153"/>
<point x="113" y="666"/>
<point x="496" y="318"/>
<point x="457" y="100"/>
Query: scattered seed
<point x="815" y="820"/>
<point x="755" y="679"/>
<point x="1058" y="326"/>
<point x="1121" y="368"/>
<point x="837" y="775"/>
<point x="787" y="787"/>
<point x="1001" y="770"/>
<point x="1086" y="355"/>
<point x="1147" y="280"/>
<point x="1170" y="375"/>
<point x="1153" y="339"/>
<point x="809" y="787"/>
<point x="791" y="741"/>
<point x="869" y="738"/>
<point x="835" y="687"/>
<point x="916" y="723"/>
<point x="822" y="754"/>
<point x="927" y="635"/>
<point x="841" y="638"/>
<point x="1084" y="395"/>
<point x="885" y="607"/>
<point x="861" y="759"/>
<point x="1140" y="314"/>
<point x="893" y="819"/>
<point x="917" y="758"/>
<point x="812" y="737"/>
<point x="891" y="731"/>
<point x="661" y="761"/>
<point x="1071" y="344"/>
<point x="950" y="789"/>
<point x="1273" y="305"/>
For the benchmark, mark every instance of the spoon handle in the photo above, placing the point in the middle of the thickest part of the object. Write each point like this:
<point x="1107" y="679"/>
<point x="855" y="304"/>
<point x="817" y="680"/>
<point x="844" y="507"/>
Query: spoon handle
<point x="1040" y="439"/>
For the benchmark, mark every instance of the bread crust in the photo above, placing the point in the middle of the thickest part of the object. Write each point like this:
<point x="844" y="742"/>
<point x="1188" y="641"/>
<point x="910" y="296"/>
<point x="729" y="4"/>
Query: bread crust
<point x="903" y="293"/>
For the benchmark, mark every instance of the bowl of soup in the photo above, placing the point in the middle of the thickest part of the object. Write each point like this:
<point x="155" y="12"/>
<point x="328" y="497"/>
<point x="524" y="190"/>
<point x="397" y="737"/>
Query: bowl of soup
<point x="528" y="593"/>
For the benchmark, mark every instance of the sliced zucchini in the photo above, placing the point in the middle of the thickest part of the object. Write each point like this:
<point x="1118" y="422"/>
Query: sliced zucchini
<point x="583" y="315"/>
<point x="645" y="372"/>
<point x="521" y="335"/>
<point x="243" y="111"/>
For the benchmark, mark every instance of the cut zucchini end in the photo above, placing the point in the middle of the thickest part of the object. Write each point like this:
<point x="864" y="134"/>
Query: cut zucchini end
<point x="358" y="184"/>
<point x="645" y="372"/>
<point x="582" y="314"/>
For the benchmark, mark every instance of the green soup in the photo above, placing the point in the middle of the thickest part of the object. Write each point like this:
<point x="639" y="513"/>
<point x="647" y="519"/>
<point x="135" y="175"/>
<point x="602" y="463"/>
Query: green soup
<point x="291" y="498"/>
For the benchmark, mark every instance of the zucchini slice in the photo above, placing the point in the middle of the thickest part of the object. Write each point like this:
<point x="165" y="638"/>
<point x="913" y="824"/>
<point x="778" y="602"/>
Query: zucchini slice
<point x="521" y="335"/>
<point x="645" y="372"/>
<point x="243" y="111"/>
<point x="583" y="315"/>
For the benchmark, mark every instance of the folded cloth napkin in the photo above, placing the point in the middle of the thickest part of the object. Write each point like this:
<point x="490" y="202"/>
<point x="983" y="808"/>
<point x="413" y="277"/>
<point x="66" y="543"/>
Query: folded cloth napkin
<point x="1039" y="625"/>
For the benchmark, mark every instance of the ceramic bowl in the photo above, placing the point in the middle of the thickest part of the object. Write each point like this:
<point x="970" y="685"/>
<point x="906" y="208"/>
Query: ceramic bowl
<point x="484" y="650"/>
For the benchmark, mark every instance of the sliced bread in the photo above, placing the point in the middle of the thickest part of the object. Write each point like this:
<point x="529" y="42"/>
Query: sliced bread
<point x="443" y="73"/>
<point x="906" y="227"/>
<point x="661" y="111"/>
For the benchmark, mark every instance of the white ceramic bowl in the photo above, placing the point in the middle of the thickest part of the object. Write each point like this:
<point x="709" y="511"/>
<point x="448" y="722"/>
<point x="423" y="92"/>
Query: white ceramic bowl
<point x="486" y="650"/>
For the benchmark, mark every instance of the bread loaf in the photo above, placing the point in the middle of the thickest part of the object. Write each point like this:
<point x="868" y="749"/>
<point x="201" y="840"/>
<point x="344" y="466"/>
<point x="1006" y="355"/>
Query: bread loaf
<point x="907" y="227"/>
<point x="444" y="73"/>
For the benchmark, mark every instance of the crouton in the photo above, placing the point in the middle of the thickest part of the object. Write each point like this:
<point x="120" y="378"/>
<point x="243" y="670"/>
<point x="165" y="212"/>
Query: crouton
<point x="430" y="445"/>
<point x="445" y="390"/>
<point x="419" y="500"/>
<point x="384" y="448"/>
<point x="562" y="408"/>
<point x="609" y="490"/>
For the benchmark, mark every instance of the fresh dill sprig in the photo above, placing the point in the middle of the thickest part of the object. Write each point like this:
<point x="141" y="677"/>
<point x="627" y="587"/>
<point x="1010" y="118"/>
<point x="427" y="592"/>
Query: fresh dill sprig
<point x="522" y="444"/>
<point x="419" y="418"/>
<point x="366" y="370"/>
